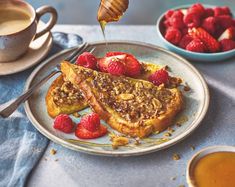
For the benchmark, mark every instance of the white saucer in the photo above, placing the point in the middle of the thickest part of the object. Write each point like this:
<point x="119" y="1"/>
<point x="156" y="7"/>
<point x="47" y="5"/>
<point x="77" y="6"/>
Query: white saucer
<point x="38" y="49"/>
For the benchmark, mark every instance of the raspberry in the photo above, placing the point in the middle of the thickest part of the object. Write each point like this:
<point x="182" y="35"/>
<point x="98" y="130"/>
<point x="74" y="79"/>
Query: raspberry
<point x="192" y="19"/>
<point x="229" y="33"/>
<point x="168" y="14"/>
<point x="208" y="12"/>
<point x="222" y="11"/>
<point x="176" y="20"/>
<point x="116" y="67"/>
<point x="91" y="122"/>
<point x="64" y="123"/>
<point x="196" y="45"/>
<point x="173" y="35"/>
<point x="185" y="41"/>
<point x="197" y="9"/>
<point x="159" y="77"/>
<point x="209" y="24"/>
<point x="227" y="44"/>
<point x="167" y="23"/>
<point x="87" y="60"/>
<point x="225" y="21"/>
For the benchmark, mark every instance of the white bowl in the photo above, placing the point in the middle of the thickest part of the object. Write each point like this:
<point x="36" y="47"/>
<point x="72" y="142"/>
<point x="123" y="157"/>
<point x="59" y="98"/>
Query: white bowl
<point x="201" y="154"/>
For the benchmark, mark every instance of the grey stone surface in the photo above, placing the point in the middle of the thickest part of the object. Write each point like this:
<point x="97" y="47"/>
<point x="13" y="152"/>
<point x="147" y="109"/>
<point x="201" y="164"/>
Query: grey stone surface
<point x="152" y="170"/>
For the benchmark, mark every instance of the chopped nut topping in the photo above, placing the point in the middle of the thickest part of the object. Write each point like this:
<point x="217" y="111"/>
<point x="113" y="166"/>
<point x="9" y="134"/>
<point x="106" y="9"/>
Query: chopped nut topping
<point x="118" y="140"/>
<point x="176" y="156"/>
<point x="173" y="178"/>
<point x="66" y="94"/>
<point x="53" y="151"/>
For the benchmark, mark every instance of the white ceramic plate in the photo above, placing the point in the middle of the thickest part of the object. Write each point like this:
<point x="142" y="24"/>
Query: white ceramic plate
<point x="197" y="101"/>
<point x="38" y="49"/>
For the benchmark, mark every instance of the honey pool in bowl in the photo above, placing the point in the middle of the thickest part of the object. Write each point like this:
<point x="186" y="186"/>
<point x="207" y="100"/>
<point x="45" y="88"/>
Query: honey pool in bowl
<point x="212" y="169"/>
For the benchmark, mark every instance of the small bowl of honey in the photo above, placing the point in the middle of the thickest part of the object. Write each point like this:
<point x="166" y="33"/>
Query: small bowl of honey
<point x="212" y="167"/>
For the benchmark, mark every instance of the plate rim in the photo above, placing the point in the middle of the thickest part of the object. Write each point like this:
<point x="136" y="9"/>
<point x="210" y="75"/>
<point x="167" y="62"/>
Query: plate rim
<point x="50" y="42"/>
<point x="147" y="150"/>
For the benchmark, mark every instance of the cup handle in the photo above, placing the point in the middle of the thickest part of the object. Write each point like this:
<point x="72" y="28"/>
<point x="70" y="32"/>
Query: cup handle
<point x="39" y="13"/>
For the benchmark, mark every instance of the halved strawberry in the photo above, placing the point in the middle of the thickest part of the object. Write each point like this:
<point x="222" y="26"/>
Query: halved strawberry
<point x="229" y="33"/>
<point x="104" y="62"/>
<point x="82" y="133"/>
<point x="211" y="43"/>
<point x="132" y="65"/>
<point x="115" y="53"/>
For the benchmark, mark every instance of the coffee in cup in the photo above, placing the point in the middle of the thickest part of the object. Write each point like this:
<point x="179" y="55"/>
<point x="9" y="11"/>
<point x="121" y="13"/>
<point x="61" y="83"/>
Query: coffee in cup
<point x="18" y="27"/>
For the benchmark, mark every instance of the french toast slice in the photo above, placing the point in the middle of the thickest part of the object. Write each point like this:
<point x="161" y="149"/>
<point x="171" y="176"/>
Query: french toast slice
<point x="55" y="107"/>
<point x="63" y="98"/>
<point x="131" y="106"/>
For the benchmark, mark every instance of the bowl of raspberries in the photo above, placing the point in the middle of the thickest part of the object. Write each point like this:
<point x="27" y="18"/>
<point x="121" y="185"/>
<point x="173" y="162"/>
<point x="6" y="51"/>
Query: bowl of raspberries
<point x="199" y="32"/>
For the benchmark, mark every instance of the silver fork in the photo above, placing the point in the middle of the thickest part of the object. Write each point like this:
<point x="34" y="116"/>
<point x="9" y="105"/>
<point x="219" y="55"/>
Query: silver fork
<point x="10" y="108"/>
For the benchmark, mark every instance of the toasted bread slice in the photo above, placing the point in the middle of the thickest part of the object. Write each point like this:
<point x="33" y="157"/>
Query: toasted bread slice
<point x="131" y="106"/>
<point x="54" y="107"/>
<point x="63" y="98"/>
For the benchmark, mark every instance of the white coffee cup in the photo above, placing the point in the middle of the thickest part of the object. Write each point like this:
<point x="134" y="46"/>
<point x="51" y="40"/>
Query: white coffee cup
<point x="18" y="27"/>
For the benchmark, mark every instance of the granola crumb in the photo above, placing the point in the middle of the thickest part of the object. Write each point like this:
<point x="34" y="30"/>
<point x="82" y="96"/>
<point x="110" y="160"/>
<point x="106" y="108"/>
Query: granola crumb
<point x="137" y="141"/>
<point x="56" y="160"/>
<point x="173" y="178"/>
<point x="167" y="134"/>
<point x="77" y="115"/>
<point x="192" y="147"/>
<point x="118" y="140"/>
<point x="53" y="151"/>
<point x="176" y="156"/>
<point x="45" y="159"/>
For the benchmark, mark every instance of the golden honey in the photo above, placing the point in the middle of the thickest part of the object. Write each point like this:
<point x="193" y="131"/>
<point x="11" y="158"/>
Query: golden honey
<point x="215" y="170"/>
<point x="111" y="10"/>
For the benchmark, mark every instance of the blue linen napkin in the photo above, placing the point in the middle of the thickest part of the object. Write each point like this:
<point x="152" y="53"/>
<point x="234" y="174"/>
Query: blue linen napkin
<point x="21" y="145"/>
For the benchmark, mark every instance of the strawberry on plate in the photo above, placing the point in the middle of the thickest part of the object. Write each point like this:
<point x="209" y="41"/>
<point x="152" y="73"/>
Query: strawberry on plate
<point x="131" y="64"/>
<point x="90" y="127"/>
<point x="159" y="77"/>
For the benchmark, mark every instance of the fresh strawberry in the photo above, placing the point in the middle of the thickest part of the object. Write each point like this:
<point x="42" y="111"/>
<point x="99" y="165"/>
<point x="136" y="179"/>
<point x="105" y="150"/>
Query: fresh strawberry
<point x="116" y="67"/>
<point x="64" y="123"/>
<point x="192" y="19"/>
<point x="159" y="77"/>
<point x="176" y="20"/>
<point x="185" y="41"/>
<point x="225" y="21"/>
<point x="229" y="33"/>
<point x="173" y="35"/>
<point x="115" y="53"/>
<point x="211" y="43"/>
<point x="227" y="44"/>
<point x="105" y="61"/>
<point x="196" y="45"/>
<point x="222" y="11"/>
<point x="87" y="60"/>
<point x="82" y="133"/>
<point x="132" y="65"/>
<point x="210" y="25"/>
